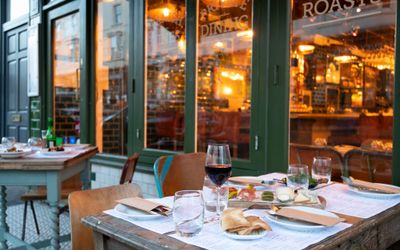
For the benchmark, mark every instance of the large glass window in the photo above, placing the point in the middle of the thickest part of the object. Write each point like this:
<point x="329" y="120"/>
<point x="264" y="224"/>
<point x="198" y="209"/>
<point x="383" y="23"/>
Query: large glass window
<point x="165" y="74"/>
<point x="112" y="36"/>
<point x="224" y="74"/>
<point x="66" y="75"/>
<point x="341" y="89"/>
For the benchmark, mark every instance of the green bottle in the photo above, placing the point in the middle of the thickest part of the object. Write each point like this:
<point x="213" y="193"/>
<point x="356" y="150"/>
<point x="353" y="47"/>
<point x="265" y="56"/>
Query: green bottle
<point x="50" y="135"/>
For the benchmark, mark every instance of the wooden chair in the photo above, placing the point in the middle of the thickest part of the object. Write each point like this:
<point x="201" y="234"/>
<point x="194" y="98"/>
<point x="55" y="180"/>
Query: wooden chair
<point x="304" y="154"/>
<point x="90" y="202"/>
<point x="179" y="172"/>
<point x="69" y="186"/>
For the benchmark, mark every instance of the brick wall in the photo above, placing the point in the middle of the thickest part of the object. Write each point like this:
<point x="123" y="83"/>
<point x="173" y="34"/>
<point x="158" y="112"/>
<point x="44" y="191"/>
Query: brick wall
<point x="67" y="111"/>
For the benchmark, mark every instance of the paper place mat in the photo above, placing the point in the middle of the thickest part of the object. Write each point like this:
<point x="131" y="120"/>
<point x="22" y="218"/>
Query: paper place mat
<point x="211" y="237"/>
<point x="341" y="200"/>
<point x="160" y="225"/>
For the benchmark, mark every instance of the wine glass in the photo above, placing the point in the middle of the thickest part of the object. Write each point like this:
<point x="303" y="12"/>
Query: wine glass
<point x="35" y="143"/>
<point x="8" y="142"/>
<point x="218" y="168"/>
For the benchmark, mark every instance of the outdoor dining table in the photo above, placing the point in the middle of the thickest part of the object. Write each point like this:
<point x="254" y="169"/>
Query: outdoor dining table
<point x="40" y="170"/>
<point x="378" y="231"/>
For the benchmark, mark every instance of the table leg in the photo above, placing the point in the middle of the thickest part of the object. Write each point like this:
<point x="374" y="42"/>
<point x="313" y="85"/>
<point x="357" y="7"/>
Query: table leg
<point x="3" y="216"/>
<point x="53" y="198"/>
<point x="86" y="176"/>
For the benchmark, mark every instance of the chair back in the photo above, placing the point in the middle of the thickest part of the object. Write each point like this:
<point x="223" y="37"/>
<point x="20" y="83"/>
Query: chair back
<point x="179" y="172"/>
<point x="304" y="154"/>
<point x="369" y="165"/>
<point x="90" y="202"/>
<point x="129" y="169"/>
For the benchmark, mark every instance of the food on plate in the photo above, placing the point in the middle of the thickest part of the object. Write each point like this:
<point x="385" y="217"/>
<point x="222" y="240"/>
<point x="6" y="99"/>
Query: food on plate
<point x="56" y="149"/>
<point x="306" y="196"/>
<point x="267" y="196"/>
<point x="13" y="149"/>
<point x="312" y="183"/>
<point x="234" y="221"/>
<point x="248" y="193"/>
<point x="233" y="193"/>
<point x="285" y="194"/>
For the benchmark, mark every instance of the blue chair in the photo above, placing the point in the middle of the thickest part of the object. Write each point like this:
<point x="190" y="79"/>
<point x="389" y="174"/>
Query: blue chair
<point x="179" y="172"/>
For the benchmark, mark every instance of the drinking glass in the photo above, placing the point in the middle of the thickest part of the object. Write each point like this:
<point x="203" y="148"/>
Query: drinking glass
<point x="210" y="196"/>
<point x="322" y="169"/>
<point x="188" y="212"/>
<point x="218" y="168"/>
<point x="35" y="143"/>
<point x="297" y="176"/>
<point x="8" y="142"/>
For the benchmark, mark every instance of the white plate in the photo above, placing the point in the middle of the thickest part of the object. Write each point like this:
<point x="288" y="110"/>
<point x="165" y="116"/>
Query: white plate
<point x="298" y="225"/>
<point x="55" y="153"/>
<point x="134" y="213"/>
<point x="237" y="185"/>
<point x="76" y="146"/>
<point x="245" y="237"/>
<point x="14" y="155"/>
<point x="374" y="195"/>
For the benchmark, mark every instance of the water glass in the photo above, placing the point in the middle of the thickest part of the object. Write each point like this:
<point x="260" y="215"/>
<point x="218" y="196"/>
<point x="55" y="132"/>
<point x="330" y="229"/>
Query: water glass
<point x="297" y="176"/>
<point x="8" y="142"/>
<point x="188" y="212"/>
<point x="35" y="143"/>
<point x="210" y="196"/>
<point x="322" y="169"/>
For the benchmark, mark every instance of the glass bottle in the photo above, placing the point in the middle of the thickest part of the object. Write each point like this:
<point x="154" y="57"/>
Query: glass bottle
<point x="50" y="135"/>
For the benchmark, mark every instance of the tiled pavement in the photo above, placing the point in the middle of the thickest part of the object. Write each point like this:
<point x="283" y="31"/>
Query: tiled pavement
<point x="15" y="219"/>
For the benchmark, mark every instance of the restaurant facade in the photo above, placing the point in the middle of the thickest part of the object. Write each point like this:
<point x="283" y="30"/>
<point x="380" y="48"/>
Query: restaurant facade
<point x="279" y="81"/>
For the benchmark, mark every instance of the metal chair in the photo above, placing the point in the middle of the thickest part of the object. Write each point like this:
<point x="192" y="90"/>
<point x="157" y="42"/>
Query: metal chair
<point x="370" y="165"/>
<point x="304" y="154"/>
<point x="178" y="172"/>
<point x="70" y="186"/>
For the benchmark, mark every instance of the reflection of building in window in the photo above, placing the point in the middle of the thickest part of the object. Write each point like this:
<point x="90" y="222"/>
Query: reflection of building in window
<point x="117" y="45"/>
<point x="117" y="14"/>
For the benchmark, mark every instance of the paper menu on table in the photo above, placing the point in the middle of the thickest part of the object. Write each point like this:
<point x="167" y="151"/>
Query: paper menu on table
<point x="211" y="237"/>
<point x="341" y="200"/>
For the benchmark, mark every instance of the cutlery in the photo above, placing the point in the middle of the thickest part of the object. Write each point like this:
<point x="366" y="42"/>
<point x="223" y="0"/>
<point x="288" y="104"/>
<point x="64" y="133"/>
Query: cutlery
<point x="349" y="181"/>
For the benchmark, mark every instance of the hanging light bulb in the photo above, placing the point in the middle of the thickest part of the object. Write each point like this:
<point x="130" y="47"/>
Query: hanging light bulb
<point x="223" y="3"/>
<point x="167" y="12"/>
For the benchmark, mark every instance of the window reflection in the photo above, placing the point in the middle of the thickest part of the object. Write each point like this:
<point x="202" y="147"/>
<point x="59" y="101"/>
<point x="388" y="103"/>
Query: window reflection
<point x="224" y="74"/>
<point x="112" y="28"/>
<point x="341" y="90"/>
<point x="17" y="8"/>
<point x="165" y="74"/>
<point x="66" y="75"/>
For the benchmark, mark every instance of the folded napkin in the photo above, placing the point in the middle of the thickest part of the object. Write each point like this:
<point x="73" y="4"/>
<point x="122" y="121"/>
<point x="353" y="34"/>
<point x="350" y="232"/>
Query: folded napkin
<point x="292" y="213"/>
<point x="376" y="187"/>
<point x="234" y="221"/>
<point x="145" y="205"/>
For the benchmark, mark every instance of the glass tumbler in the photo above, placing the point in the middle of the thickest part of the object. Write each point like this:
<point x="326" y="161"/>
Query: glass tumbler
<point x="188" y="212"/>
<point x="322" y="169"/>
<point x="8" y="142"/>
<point x="297" y="176"/>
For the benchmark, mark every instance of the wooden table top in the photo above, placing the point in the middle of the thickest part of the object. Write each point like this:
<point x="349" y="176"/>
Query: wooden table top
<point x="27" y="163"/>
<point x="377" y="232"/>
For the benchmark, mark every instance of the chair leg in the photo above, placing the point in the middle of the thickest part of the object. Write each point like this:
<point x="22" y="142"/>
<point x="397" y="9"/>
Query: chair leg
<point x="24" y="220"/>
<point x="34" y="217"/>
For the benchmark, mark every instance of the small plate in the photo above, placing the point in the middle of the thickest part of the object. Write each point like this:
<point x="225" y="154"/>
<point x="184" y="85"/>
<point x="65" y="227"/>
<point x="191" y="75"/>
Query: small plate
<point x="13" y="155"/>
<point x="245" y="237"/>
<point x="374" y="194"/>
<point x="55" y="153"/>
<point x="134" y="213"/>
<point x="298" y="225"/>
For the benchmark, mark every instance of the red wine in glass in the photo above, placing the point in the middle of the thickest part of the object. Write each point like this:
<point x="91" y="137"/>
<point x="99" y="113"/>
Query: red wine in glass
<point x="219" y="173"/>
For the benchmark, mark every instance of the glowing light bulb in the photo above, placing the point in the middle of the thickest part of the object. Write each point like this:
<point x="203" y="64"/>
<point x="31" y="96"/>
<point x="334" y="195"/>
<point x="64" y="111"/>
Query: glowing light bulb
<point x="166" y="12"/>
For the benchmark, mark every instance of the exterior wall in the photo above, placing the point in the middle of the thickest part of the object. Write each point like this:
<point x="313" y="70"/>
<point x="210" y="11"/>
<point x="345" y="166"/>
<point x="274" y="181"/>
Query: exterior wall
<point x="107" y="176"/>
